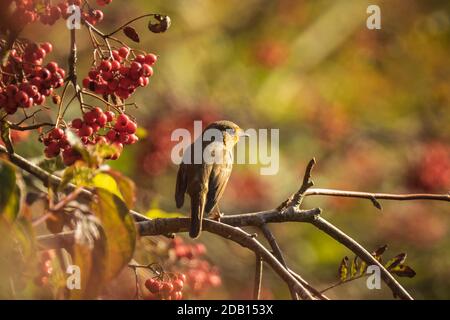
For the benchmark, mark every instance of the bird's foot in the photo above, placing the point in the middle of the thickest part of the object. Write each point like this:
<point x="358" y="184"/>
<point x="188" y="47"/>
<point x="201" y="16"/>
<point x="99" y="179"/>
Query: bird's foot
<point x="216" y="215"/>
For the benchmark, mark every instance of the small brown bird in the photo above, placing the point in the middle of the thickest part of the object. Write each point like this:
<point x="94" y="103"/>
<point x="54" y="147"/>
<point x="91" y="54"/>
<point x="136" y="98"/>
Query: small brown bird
<point x="205" y="169"/>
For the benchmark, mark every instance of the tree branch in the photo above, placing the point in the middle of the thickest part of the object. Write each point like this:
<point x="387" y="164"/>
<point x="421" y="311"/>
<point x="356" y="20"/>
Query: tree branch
<point x="365" y="255"/>
<point x="292" y="213"/>
<point x="372" y="196"/>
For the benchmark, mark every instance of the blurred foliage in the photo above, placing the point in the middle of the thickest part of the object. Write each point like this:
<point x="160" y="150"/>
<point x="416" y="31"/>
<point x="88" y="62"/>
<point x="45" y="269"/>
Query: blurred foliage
<point x="371" y="105"/>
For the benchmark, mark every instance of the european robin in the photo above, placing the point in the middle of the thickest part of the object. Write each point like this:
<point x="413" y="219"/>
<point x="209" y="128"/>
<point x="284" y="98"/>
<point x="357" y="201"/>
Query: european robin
<point x="205" y="169"/>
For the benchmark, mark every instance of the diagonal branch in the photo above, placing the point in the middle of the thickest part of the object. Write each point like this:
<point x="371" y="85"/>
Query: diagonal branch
<point x="365" y="255"/>
<point x="276" y="251"/>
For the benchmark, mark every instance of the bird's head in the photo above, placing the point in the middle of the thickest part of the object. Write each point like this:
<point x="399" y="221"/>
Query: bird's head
<point x="230" y="131"/>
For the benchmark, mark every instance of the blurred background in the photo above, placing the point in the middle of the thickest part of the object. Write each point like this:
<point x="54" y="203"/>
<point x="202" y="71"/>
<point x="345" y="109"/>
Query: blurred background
<point x="372" y="106"/>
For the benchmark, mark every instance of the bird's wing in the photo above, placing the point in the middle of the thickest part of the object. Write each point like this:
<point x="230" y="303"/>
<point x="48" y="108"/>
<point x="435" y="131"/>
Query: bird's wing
<point x="181" y="185"/>
<point x="218" y="180"/>
<point x="198" y="190"/>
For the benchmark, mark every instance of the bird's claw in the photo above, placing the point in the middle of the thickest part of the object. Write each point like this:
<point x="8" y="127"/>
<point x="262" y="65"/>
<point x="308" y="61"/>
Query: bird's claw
<point x="216" y="216"/>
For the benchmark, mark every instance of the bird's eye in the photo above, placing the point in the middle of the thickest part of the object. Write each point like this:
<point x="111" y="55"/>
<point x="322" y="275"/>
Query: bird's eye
<point x="232" y="131"/>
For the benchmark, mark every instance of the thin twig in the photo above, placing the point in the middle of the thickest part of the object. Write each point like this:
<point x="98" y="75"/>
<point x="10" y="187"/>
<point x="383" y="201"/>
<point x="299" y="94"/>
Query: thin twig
<point x="381" y="196"/>
<point x="276" y="251"/>
<point x="258" y="277"/>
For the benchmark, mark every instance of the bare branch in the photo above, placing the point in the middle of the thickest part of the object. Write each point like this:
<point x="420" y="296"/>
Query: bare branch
<point x="376" y="196"/>
<point x="276" y="251"/>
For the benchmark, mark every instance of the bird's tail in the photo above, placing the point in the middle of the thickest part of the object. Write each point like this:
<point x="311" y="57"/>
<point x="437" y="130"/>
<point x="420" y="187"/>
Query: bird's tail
<point x="197" y="209"/>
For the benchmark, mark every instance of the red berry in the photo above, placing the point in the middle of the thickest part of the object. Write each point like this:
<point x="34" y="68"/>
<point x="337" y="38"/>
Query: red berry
<point x="124" y="137"/>
<point x="105" y="65"/>
<point x="178" y="285"/>
<point x="57" y="133"/>
<point x="77" y="123"/>
<point x="90" y="117"/>
<point x="167" y="287"/>
<point x="86" y="131"/>
<point x="177" y="295"/>
<point x="47" y="46"/>
<point x="182" y="277"/>
<point x="116" y="55"/>
<point x="132" y="139"/>
<point x="131" y="127"/>
<point x="110" y="115"/>
<point x="135" y="66"/>
<point x="52" y="150"/>
<point x="21" y="98"/>
<point x="123" y="52"/>
<point x="122" y="122"/>
<point x="115" y="65"/>
<point x="102" y="119"/>
<point x="154" y="286"/>
<point x="150" y="59"/>
<point x="52" y="67"/>
<point x="111" y="135"/>
<point x="147" y="70"/>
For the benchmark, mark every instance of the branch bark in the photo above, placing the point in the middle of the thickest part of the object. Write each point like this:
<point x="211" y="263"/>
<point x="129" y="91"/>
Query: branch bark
<point x="227" y="228"/>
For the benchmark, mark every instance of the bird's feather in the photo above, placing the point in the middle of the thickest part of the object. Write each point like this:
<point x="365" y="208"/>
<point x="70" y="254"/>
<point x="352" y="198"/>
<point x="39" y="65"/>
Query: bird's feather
<point x="181" y="185"/>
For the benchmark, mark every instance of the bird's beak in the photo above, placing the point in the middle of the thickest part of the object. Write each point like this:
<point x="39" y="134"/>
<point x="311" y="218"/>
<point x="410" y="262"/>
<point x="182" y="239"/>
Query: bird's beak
<point x="242" y="134"/>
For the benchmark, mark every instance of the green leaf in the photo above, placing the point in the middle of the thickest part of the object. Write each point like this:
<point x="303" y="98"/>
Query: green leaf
<point x="9" y="192"/>
<point x="394" y="262"/>
<point x="79" y="175"/>
<point x="126" y="187"/>
<point x="119" y="229"/>
<point x="403" y="271"/>
<point x="343" y="269"/>
<point x="104" y="151"/>
<point x="105" y="181"/>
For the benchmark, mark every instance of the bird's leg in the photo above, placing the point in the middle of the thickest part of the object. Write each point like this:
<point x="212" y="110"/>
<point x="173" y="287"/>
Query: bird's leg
<point x="216" y="214"/>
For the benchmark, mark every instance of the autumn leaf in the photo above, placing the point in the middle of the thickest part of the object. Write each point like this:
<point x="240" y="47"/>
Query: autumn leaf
<point x="354" y="267"/>
<point x="394" y="262"/>
<point x="403" y="271"/>
<point x="119" y="229"/>
<point x="131" y="33"/>
<point x="379" y="252"/>
<point x="343" y="269"/>
<point x="9" y="192"/>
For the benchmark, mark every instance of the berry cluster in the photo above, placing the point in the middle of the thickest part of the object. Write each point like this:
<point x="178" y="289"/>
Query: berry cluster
<point x="165" y="290"/>
<point x="38" y="81"/>
<point x="28" y="11"/>
<point x="120" y="76"/>
<point x="118" y="130"/>
<point x="56" y="143"/>
<point x="200" y="274"/>
<point x="45" y="269"/>
<point x="95" y="127"/>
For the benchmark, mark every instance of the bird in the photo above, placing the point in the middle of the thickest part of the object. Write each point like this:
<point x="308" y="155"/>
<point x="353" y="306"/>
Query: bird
<point x="205" y="179"/>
